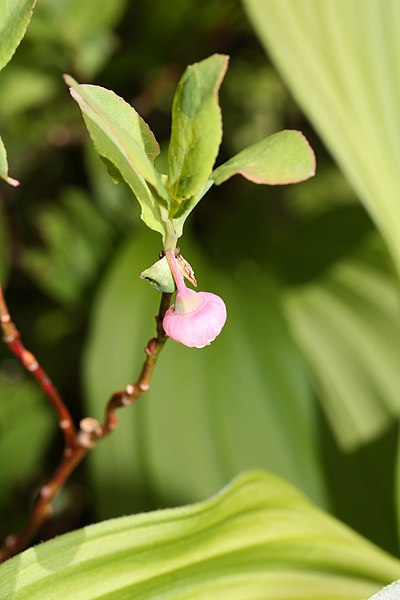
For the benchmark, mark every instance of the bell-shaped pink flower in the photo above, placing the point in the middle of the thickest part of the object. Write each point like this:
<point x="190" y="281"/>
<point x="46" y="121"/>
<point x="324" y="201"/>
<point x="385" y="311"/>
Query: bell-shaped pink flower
<point x="196" y="318"/>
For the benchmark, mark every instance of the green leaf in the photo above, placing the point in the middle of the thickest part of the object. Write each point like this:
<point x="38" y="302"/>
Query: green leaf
<point x="397" y="486"/>
<point x="347" y="324"/>
<point x="285" y="157"/>
<point x="196" y="127"/>
<point x="126" y="144"/>
<point x="339" y="62"/>
<point x="14" y="18"/>
<point x="259" y="538"/>
<point x="244" y="402"/>
<point x="282" y="158"/>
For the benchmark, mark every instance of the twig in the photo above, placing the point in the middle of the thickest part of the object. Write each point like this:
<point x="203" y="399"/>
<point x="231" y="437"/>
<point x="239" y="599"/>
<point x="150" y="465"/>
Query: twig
<point x="133" y="392"/>
<point x="77" y="443"/>
<point x="12" y="338"/>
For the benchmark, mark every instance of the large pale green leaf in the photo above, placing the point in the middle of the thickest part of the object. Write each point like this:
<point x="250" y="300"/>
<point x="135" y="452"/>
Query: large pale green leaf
<point x="347" y="324"/>
<point x="196" y="127"/>
<point x="285" y="157"/>
<point x="341" y="60"/>
<point x="397" y="487"/>
<point x="259" y="539"/>
<point x="14" y="18"/>
<point x="125" y="142"/>
<point x="244" y="402"/>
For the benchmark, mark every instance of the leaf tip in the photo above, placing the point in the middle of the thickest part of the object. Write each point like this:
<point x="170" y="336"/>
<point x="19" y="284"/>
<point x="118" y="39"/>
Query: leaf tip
<point x="71" y="83"/>
<point x="11" y="181"/>
<point x="310" y="150"/>
<point x="67" y="78"/>
<point x="225" y="58"/>
<point x="313" y="165"/>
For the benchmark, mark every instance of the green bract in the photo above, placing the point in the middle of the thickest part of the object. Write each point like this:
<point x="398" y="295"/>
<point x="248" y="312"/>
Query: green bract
<point x="160" y="277"/>
<point x="126" y="144"/>
<point x="14" y="19"/>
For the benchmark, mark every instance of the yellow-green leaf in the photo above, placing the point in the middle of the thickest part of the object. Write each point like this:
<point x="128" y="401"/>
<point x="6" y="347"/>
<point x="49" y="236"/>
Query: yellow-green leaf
<point x="125" y="143"/>
<point x="259" y="538"/>
<point x="347" y="325"/>
<point x="282" y="158"/>
<point x="341" y="61"/>
<point x="196" y="127"/>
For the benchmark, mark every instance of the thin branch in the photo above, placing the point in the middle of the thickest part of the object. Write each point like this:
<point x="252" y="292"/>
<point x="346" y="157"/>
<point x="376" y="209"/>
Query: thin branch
<point x="42" y="509"/>
<point x="90" y="431"/>
<point x="12" y="338"/>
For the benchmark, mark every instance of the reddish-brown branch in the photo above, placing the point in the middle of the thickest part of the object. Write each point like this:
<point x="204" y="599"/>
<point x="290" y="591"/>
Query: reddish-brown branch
<point x="42" y="509"/>
<point x="12" y="339"/>
<point x="77" y="443"/>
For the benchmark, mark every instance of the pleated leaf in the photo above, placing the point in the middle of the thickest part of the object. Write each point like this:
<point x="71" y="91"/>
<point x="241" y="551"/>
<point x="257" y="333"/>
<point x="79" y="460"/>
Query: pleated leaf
<point x="259" y="538"/>
<point x="347" y="325"/>
<point x="125" y="143"/>
<point x="282" y="158"/>
<point x="341" y="60"/>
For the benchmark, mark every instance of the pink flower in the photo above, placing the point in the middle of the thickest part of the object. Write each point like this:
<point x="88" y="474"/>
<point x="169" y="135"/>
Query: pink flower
<point x="196" y="318"/>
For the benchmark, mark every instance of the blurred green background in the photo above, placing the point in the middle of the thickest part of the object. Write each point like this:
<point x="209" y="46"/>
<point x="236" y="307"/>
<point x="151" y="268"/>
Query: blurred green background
<point x="305" y="379"/>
